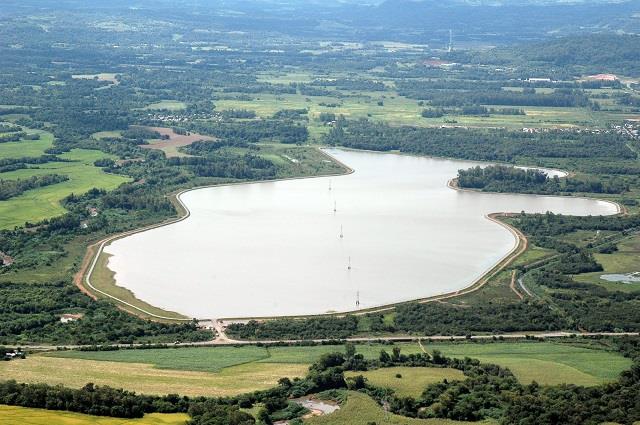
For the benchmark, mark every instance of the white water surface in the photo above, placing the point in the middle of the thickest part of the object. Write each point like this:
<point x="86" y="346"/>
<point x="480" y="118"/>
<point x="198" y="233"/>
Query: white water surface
<point x="273" y="248"/>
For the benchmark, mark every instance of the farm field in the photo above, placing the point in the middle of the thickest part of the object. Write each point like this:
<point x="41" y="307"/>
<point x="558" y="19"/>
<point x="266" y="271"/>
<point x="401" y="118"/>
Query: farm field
<point x="360" y="409"/>
<point x="546" y="363"/>
<point x="214" y="359"/>
<point x="44" y="202"/>
<point x="144" y="378"/>
<point x="14" y="415"/>
<point x="412" y="380"/>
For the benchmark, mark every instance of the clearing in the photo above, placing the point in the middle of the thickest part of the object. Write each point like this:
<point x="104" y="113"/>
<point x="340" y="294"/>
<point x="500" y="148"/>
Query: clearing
<point x="175" y="141"/>
<point x="360" y="409"/>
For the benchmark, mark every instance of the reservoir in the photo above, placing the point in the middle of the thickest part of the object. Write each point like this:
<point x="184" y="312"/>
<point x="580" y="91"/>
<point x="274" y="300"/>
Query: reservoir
<point x="279" y="248"/>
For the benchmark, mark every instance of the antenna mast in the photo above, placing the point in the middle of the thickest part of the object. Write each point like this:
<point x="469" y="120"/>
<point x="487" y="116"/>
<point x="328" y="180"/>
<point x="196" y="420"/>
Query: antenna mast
<point x="450" y="49"/>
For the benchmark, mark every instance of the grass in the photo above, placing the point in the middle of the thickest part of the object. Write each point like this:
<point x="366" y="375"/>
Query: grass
<point x="214" y="359"/>
<point x="412" y="380"/>
<point x="14" y="415"/>
<point x="146" y="379"/>
<point x="102" y="278"/>
<point x="203" y="359"/>
<point x="169" y="105"/>
<point x="623" y="261"/>
<point x="360" y="409"/>
<point x="545" y="362"/>
<point x="41" y="203"/>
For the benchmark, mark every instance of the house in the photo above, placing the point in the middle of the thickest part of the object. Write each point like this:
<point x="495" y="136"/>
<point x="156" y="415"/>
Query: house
<point x="93" y="211"/>
<point x="539" y="80"/>
<point x="69" y="317"/>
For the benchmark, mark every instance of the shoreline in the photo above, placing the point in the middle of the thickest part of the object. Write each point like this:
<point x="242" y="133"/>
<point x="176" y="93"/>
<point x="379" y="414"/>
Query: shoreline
<point x="91" y="258"/>
<point x="519" y="247"/>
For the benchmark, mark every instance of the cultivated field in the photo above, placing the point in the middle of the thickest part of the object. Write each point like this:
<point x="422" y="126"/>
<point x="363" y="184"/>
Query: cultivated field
<point x="12" y="415"/>
<point x="233" y="370"/>
<point x="146" y="379"/>
<point x="411" y="380"/>
<point x="175" y="141"/>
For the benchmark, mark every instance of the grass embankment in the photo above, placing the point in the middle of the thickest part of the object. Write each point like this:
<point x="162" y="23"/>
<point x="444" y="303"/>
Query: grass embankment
<point x="408" y="381"/>
<point x="13" y="415"/>
<point x="41" y="203"/>
<point x="360" y="409"/>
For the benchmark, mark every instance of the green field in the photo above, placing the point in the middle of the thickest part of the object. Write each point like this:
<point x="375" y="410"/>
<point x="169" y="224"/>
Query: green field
<point x="412" y="380"/>
<point x="170" y="105"/>
<point x="220" y="371"/>
<point x="13" y="415"/>
<point x="214" y="359"/>
<point x="360" y="409"/>
<point x="38" y="204"/>
<point x="623" y="261"/>
<point x="146" y="379"/>
<point x="546" y="363"/>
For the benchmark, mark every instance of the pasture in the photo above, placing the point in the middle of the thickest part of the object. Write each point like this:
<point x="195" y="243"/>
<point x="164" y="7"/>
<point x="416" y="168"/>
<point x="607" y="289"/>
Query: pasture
<point x="360" y="409"/>
<point x="167" y="105"/>
<point x="408" y="381"/>
<point x="14" y="415"/>
<point x="547" y="363"/>
<point x="44" y="202"/>
<point x="232" y="370"/>
<point x="146" y="379"/>
<point x="622" y="261"/>
<point x="214" y="359"/>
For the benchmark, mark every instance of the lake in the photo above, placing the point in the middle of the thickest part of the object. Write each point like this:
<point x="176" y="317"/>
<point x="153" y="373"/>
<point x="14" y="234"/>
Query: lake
<point x="274" y="248"/>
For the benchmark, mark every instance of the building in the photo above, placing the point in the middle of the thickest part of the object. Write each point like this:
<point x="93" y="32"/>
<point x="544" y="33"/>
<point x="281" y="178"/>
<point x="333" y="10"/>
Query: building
<point x="539" y="80"/>
<point x="69" y="317"/>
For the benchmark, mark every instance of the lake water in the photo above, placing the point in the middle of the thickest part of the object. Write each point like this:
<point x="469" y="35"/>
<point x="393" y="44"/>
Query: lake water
<point x="274" y="248"/>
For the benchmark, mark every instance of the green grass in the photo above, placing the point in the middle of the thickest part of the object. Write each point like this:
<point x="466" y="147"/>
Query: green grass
<point x="412" y="380"/>
<point x="532" y="254"/>
<point x="214" y="359"/>
<point x="360" y="409"/>
<point x="13" y="415"/>
<point x="623" y="261"/>
<point x="545" y="362"/>
<point x="170" y="105"/>
<point x="203" y="359"/>
<point x="146" y="379"/>
<point x="38" y="204"/>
